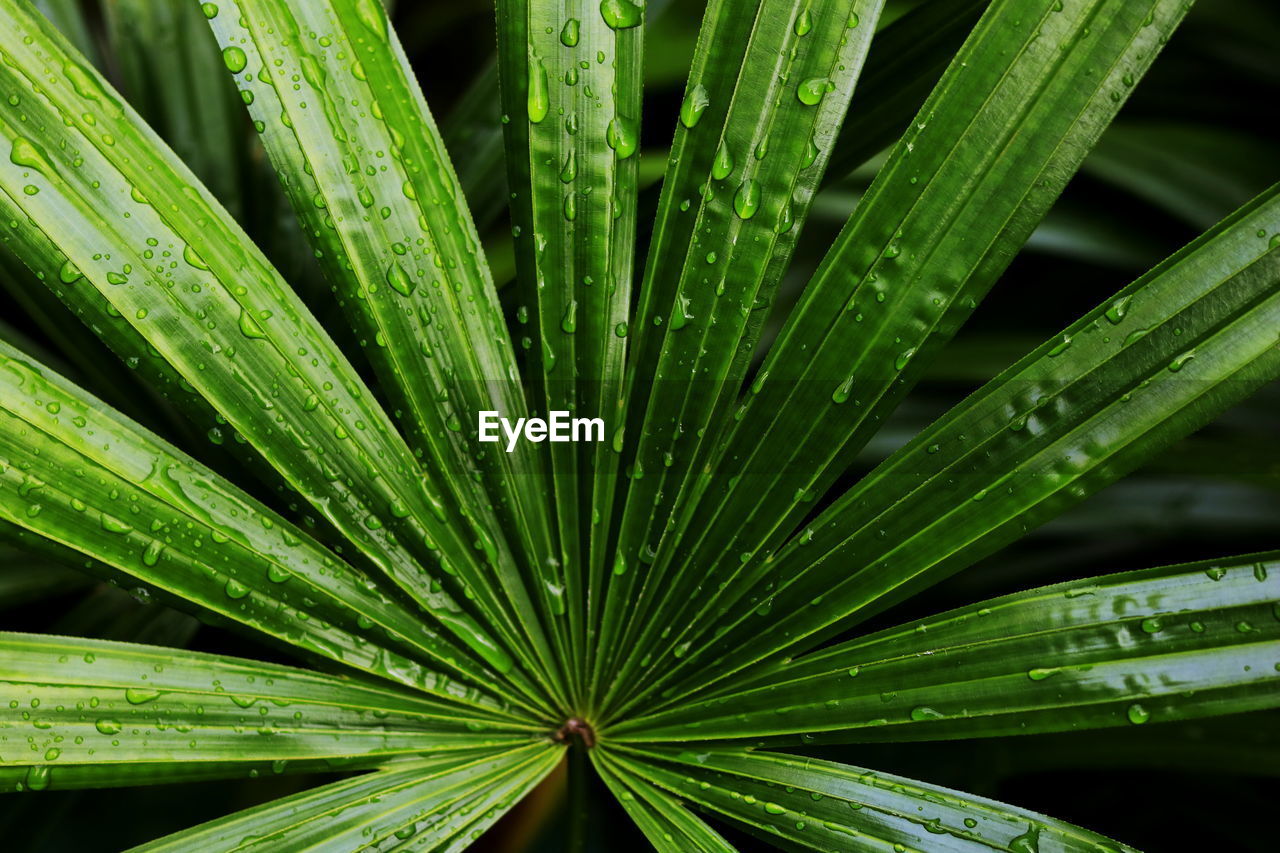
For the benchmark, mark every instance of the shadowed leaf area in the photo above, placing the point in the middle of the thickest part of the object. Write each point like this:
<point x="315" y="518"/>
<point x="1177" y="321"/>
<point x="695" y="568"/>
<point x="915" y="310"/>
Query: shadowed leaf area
<point x="918" y="360"/>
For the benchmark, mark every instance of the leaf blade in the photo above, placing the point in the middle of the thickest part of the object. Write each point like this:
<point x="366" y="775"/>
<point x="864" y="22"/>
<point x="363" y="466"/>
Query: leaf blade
<point x="381" y="808"/>
<point x="1057" y="426"/>
<point x="663" y="820"/>
<point x="807" y="803"/>
<point x="135" y="711"/>
<point x="765" y="96"/>
<point x="333" y="425"/>
<point x="77" y="473"/>
<point x="961" y="193"/>
<point x="1172" y="643"/>
<point x="382" y="207"/>
<point x="571" y="85"/>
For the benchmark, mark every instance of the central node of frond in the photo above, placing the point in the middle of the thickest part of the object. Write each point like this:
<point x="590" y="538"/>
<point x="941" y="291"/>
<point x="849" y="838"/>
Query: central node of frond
<point x="577" y="732"/>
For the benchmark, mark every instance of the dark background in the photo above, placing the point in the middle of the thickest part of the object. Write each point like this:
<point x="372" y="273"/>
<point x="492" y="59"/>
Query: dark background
<point x="1195" y="141"/>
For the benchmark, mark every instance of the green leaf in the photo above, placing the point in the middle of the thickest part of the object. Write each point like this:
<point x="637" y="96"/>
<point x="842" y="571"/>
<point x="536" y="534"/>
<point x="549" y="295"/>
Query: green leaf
<point x="416" y="805"/>
<point x="91" y="189"/>
<point x="1171" y="643"/>
<point x="383" y="209"/>
<point x="138" y="712"/>
<point x="769" y="86"/>
<point x="820" y="805"/>
<point x="571" y="84"/>
<point x="961" y="193"/>
<point x="126" y="371"/>
<point x="1156" y="362"/>
<point x="122" y="368"/>
<point x="474" y="815"/>
<point x="669" y="827"/>
<point x="473" y="134"/>
<point x="908" y="58"/>
<point x="76" y="472"/>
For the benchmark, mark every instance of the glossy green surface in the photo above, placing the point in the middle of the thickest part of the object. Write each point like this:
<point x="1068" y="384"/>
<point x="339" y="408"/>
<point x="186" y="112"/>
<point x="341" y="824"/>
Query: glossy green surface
<point x="296" y="460"/>
<point x="94" y="713"/>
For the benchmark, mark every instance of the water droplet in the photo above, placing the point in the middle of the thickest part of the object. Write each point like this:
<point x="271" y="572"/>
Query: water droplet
<point x="746" y="201"/>
<point x="923" y="713"/>
<point x="191" y="257"/>
<point x="249" y="326"/>
<point x="1137" y="714"/>
<point x="234" y="58"/>
<point x="140" y="695"/>
<point x="621" y="14"/>
<point x="1060" y="347"/>
<point x="622" y="137"/>
<point x="804" y="23"/>
<point x="399" y="280"/>
<point x="786" y="220"/>
<point x="569" y="322"/>
<point x="694" y="105"/>
<point x="37" y="777"/>
<point x="548" y="355"/>
<point x="69" y="273"/>
<point x="1134" y="337"/>
<point x="107" y="726"/>
<point x="210" y="10"/>
<point x="810" y="92"/>
<point x="539" y="101"/>
<point x="569" y="34"/>
<point x="722" y="166"/>
<point x="1028" y="842"/>
<point x="1115" y="313"/>
<point x="1181" y="361"/>
<point x="810" y="154"/>
<point x="680" y="315"/>
<point x="151" y="554"/>
<point x="114" y="525"/>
